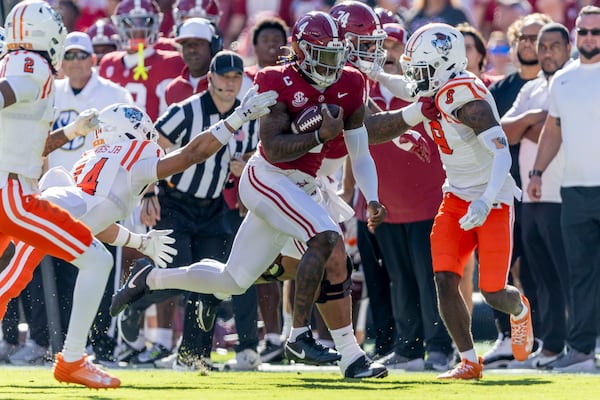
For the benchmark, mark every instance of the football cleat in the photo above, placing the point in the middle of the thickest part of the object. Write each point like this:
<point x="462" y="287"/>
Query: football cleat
<point x="307" y="350"/>
<point x="135" y="287"/>
<point x="500" y="355"/>
<point x="206" y="312"/>
<point x="465" y="370"/>
<point x="128" y="323"/>
<point x="363" y="367"/>
<point x="83" y="372"/>
<point x="521" y="334"/>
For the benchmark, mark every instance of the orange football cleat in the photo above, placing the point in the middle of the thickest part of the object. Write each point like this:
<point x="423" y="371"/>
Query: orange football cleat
<point x="465" y="370"/>
<point x="521" y="334"/>
<point x="83" y="372"/>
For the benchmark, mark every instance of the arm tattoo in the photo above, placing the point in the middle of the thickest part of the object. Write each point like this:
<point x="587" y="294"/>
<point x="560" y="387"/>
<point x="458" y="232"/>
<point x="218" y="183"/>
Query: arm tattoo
<point x="385" y="126"/>
<point x="477" y="115"/>
<point x="558" y="122"/>
<point x="279" y="144"/>
<point x="54" y="141"/>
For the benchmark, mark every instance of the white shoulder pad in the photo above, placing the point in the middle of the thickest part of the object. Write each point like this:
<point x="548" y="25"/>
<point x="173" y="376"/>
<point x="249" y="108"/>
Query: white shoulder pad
<point x="457" y="92"/>
<point x="27" y="64"/>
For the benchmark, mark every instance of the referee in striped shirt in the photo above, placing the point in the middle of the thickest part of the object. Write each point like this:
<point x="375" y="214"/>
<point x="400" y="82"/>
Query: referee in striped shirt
<point x="192" y="202"/>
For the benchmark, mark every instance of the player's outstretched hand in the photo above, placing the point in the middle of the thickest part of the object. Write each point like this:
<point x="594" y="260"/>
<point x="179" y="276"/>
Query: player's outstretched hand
<point x="252" y="107"/>
<point x="377" y="213"/>
<point x="86" y="122"/>
<point x="155" y="244"/>
<point x="476" y="214"/>
<point x="414" y="142"/>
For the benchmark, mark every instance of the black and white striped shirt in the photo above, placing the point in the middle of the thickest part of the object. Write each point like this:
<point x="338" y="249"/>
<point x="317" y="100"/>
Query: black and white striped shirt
<point x="182" y="122"/>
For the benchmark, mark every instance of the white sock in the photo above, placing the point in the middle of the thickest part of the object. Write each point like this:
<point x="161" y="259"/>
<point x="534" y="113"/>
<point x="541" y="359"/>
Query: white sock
<point x="287" y="325"/>
<point x="88" y="292"/>
<point x="274" y="338"/>
<point x="205" y="276"/>
<point x="346" y="344"/>
<point x="522" y="314"/>
<point x="470" y="355"/>
<point x="164" y="337"/>
<point x="295" y="332"/>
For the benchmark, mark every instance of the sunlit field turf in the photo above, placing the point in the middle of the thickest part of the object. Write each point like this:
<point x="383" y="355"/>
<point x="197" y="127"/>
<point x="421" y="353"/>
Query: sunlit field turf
<point x="38" y="383"/>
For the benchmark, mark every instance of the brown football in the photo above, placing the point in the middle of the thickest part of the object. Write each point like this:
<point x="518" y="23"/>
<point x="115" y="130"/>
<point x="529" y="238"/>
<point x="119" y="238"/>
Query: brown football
<point x="311" y="118"/>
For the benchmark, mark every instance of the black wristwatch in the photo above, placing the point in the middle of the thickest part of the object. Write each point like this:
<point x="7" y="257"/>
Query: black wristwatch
<point x="535" y="172"/>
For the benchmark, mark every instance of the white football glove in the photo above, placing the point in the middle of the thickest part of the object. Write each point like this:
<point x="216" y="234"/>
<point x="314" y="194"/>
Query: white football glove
<point x="252" y="107"/>
<point x="476" y="214"/>
<point x="155" y="244"/>
<point x="373" y="72"/>
<point x="86" y="122"/>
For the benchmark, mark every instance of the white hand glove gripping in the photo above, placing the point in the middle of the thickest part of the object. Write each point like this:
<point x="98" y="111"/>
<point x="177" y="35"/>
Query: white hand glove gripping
<point x="86" y="122"/>
<point x="155" y="244"/>
<point x="477" y="213"/>
<point x="252" y="107"/>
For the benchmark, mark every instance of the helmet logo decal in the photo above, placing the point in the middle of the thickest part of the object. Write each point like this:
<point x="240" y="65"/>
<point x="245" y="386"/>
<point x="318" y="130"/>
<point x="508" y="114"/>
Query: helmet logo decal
<point x="301" y="29"/>
<point x="134" y="116"/>
<point x="342" y="18"/>
<point x="442" y="43"/>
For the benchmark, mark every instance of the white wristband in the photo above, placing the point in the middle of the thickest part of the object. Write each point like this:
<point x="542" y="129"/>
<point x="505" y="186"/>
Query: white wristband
<point x="234" y="121"/>
<point x="122" y="237"/>
<point x="412" y="114"/>
<point x="70" y="131"/>
<point x="221" y="132"/>
<point x="135" y="241"/>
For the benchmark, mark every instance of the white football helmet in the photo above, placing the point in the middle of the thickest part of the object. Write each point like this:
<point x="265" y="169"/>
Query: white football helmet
<point x="34" y="25"/>
<point x="122" y="122"/>
<point x="433" y="54"/>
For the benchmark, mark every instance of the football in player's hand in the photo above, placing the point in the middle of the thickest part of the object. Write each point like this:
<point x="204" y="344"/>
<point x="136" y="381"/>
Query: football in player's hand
<point x="311" y="118"/>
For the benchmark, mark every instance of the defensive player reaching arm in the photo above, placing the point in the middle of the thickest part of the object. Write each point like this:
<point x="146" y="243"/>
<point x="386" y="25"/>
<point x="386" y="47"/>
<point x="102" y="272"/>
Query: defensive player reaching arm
<point x="108" y="183"/>
<point x="477" y="209"/>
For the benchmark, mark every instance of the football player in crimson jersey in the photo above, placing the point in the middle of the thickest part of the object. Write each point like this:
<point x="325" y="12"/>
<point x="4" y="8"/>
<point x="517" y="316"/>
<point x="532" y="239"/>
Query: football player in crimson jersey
<point x="108" y="182"/>
<point x="477" y="209"/>
<point x="278" y="187"/>
<point x="140" y="68"/>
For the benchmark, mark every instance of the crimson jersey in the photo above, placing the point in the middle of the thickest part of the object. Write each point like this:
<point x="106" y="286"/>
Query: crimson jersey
<point x="297" y="94"/>
<point x="416" y="193"/>
<point x="162" y="66"/>
<point x="181" y="87"/>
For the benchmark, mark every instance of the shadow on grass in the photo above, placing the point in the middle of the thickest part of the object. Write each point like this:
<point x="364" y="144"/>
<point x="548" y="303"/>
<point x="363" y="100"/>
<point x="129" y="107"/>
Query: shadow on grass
<point x="390" y="384"/>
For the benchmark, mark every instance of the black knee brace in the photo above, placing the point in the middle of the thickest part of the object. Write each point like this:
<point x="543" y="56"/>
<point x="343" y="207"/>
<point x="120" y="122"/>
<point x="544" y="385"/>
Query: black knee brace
<point x="274" y="271"/>
<point x="339" y="290"/>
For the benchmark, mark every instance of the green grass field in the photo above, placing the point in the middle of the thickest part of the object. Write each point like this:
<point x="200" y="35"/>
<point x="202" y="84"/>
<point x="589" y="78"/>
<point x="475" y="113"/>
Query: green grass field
<point x="148" y="384"/>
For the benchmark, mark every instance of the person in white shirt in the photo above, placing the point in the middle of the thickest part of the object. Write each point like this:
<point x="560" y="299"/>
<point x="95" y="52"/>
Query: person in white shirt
<point x="572" y="124"/>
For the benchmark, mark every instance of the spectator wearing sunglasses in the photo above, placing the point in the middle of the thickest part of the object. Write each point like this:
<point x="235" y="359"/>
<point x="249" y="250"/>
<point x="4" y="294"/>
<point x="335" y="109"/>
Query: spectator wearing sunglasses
<point x="571" y="121"/>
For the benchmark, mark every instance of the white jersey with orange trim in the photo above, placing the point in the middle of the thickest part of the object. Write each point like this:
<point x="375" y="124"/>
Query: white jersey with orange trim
<point x="26" y="124"/>
<point x="110" y="180"/>
<point x="467" y="162"/>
